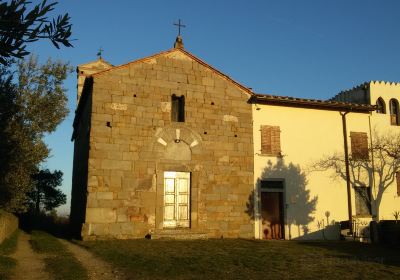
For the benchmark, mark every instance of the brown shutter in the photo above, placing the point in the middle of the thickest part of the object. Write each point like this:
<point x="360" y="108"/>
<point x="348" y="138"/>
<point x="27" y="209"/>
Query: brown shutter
<point x="359" y="145"/>
<point x="270" y="140"/>
<point x="398" y="182"/>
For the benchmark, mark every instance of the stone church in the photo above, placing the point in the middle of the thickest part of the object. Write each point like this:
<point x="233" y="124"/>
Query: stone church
<point x="163" y="148"/>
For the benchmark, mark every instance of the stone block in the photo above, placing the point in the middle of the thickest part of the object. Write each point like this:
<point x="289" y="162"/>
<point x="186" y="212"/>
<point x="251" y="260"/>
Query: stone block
<point x="108" y="203"/>
<point x="161" y="75"/>
<point x="116" y="182"/>
<point x="104" y="195"/>
<point x="212" y="197"/>
<point x="115" y="229"/>
<point x="93" y="182"/>
<point x="175" y="77"/>
<point x="122" y="218"/>
<point x="164" y="84"/>
<point x="99" y="229"/>
<point x="127" y="228"/>
<point x="117" y="155"/>
<point x="101" y="215"/>
<point x="129" y="183"/>
<point x="116" y="164"/>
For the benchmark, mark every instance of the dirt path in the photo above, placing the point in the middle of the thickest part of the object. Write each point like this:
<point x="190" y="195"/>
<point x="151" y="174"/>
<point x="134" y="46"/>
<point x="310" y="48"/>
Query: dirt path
<point x="97" y="268"/>
<point x="30" y="264"/>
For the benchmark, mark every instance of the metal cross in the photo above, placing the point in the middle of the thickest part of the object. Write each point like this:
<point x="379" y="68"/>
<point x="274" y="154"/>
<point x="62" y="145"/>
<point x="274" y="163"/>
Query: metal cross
<point x="179" y="26"/>
<point x="99" y="52"/>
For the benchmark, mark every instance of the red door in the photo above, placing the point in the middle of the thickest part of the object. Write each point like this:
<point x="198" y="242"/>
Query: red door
<point x="272" y="215"/>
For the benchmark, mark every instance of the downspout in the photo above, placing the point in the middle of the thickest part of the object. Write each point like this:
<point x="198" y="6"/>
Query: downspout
<point x="346" y="159"/>
<point x="373" y="164"/>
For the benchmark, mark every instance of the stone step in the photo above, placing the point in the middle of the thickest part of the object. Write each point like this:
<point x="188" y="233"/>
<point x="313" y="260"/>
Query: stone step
<point x="178" y="234"/>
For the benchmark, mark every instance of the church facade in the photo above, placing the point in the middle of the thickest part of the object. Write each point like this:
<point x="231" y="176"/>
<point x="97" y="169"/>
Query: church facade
<point x="162" y="143"/>
<point x="168" y="146"/>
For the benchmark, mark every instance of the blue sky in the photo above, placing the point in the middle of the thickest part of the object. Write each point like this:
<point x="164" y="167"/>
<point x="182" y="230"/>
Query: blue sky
<point x="308" y="48"/>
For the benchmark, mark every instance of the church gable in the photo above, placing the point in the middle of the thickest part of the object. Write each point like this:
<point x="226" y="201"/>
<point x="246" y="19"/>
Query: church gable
<point x="185" y="67"/>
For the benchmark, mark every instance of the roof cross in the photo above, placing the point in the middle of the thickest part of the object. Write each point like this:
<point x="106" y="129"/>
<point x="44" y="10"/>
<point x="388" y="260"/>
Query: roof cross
<point x="100" y="52"/>
<point x="179" y="26"/>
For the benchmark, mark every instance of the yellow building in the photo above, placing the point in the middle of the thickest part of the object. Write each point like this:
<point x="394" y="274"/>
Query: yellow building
<point x="300" y="178"/>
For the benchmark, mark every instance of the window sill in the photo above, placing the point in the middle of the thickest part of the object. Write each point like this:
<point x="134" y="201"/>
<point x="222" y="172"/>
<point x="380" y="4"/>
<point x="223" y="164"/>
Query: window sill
<point x="269" y="155"/>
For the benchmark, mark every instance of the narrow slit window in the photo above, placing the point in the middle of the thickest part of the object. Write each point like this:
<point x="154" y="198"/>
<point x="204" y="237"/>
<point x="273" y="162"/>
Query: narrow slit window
<point x="394" y="112"/>
<point x="177" y="108"/>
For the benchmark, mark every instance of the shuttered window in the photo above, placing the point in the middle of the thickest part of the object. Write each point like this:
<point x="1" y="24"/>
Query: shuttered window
<point x="270" y="140"/>
<point x="398" y="182"/>
<point x="359" y="145"/>
<point x="363" y="201"/>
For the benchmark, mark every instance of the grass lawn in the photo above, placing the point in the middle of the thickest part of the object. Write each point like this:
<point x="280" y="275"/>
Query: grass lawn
<point x="59" y="262"/>
<point x="7" y="264"/>
<point x="248" y="259"/>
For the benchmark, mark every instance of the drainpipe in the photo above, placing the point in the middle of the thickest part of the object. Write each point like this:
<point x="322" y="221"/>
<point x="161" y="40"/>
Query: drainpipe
<point x="346" y="159"/>
<point x="373" y="167"/>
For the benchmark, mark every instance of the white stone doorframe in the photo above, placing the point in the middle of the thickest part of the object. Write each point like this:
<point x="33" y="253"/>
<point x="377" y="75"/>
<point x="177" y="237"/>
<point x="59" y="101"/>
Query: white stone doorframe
<point x="176" y="199"/>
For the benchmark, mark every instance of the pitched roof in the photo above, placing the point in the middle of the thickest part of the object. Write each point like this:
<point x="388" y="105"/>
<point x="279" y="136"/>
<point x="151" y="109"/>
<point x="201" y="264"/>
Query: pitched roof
<point x="97" y="61"/>
<point x="195" y="58"/>
<point x="310" y="103"/>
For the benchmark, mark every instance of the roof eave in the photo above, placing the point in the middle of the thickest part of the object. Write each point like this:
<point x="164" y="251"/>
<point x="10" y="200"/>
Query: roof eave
<point x="313" y="104"/>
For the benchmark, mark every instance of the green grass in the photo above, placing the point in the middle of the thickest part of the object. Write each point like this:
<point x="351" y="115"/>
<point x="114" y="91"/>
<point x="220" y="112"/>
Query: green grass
<point x="59" y="262"/>
<point x="248" y="259"/>
<point x="7" y="264"/>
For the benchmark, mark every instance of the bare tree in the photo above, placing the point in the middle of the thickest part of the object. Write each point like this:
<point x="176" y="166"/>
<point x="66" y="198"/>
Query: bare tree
<point x="377" y="172"/>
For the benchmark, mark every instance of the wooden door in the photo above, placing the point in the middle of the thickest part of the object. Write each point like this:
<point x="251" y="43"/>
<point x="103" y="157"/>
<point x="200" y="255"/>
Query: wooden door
<point x="272" y="215"/>
<point x="176" y="199"/>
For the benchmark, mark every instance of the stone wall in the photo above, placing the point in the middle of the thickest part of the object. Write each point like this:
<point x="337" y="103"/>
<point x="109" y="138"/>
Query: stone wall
<point x="132" y="144"/>
<point x="8" y="225"/>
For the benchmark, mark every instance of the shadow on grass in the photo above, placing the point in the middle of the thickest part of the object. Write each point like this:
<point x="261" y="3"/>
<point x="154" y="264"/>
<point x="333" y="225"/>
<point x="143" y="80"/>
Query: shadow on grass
<point x="358" y="251"/>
